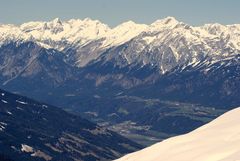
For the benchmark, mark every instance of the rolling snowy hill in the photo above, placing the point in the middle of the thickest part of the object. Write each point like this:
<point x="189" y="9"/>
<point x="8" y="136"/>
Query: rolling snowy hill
<point x="218" y="140"/>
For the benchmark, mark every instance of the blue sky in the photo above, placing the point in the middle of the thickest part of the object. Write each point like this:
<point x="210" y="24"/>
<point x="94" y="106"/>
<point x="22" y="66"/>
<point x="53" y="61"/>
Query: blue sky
<point x="113" y="12"/>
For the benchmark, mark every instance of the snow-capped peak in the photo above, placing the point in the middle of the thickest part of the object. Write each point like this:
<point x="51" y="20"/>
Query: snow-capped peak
<point x="169" y="35"/>
<point x="216" y="141"/>
<point x="123" y="33"/>
<point x="91" y="21"/>
<point x="127" y="24"/>
<point x="166" y="22"/>
<point x="215" y="29"/>
<point x="72" y="31"/>
<point x="57" y="21"/>
<point x="78" y="32"/>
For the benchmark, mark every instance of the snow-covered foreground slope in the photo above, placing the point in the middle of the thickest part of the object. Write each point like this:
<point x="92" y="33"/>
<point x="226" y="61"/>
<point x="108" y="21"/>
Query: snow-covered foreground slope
<point x="216" y="141"/>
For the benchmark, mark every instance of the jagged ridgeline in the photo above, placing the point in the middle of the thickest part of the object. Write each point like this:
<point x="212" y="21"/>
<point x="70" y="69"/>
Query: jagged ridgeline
<point x="87" y="55"/>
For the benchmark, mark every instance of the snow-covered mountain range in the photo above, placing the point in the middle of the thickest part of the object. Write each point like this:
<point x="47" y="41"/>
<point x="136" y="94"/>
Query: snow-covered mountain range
<point x="157" y="44"/>
<point x="215" y="141"/>
<point x="126" y="74"/>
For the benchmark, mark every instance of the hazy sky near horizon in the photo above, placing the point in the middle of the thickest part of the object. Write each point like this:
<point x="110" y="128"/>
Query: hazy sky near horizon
<point x="114" y="12"/>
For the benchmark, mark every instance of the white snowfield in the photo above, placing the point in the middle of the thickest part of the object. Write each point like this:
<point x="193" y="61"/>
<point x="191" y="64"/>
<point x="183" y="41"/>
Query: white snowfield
<point x="215" y="141"/>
